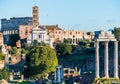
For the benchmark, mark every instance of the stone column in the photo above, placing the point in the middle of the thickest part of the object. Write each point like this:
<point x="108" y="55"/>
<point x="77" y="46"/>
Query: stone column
<point x="115" y="59"/>
<point x="58" y="74"/>
<point x="106" y="60"/>
<point x="32" y="40"/>
<point x="43" y="37"/>
<point x="68" y="73"/>
<point x="97" y="60"/>
<point x="55" y="75"/>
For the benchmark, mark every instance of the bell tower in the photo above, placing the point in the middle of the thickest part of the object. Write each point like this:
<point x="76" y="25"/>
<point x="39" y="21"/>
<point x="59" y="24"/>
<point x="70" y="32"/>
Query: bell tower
<point x="35" y="16"/>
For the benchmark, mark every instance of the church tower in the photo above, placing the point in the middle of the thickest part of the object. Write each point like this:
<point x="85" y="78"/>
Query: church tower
<point x="35" y="16"/>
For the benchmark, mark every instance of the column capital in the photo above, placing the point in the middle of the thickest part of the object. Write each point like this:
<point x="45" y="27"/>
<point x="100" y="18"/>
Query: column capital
<point x="96" y="41"/>
<point x="115" y="43"/>
<point x="106" y="43"/>
<point x="97" y="44"/>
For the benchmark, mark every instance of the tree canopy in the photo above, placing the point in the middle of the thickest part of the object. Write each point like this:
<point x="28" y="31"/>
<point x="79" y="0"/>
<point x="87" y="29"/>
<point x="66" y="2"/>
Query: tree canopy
<point x="23" y="51"/>
<point x="14" y="51"/>
<point x="68" y="40"/>
<point x="1" y="56"/>
<point x="4" y="74"/>
<point x="84" y="43"/>
<point x="117" y="33"/>
<point x="42" y="61"/>
<point x="63" y="49"/>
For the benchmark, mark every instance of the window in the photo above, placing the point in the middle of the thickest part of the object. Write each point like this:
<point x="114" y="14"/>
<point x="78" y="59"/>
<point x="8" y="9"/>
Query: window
<point x="39" y="36"/>
<point x="26" y="32"/>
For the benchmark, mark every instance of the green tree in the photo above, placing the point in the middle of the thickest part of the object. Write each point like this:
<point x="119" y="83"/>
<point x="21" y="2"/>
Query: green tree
<point x="14" y="51"/>
<point x="13" y="38"/>
<point x="117" y="33"/>
<point x="63" y="49"/>
<point x="1" y="56"/>
<point x="23" y="51"/>
<point x="68" y="40"/>
<point x="42" y="61"/>
<point x="4" y="74"/>
<point x="84" y="43"/>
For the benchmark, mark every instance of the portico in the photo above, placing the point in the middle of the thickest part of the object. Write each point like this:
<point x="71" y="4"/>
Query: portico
<point x="106" y="36"/>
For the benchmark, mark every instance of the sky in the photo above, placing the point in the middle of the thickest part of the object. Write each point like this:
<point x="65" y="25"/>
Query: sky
<point x="89" y="15"/>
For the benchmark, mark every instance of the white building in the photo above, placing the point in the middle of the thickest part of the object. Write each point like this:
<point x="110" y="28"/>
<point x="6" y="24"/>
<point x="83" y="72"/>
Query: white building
<point x="40" y="34"/>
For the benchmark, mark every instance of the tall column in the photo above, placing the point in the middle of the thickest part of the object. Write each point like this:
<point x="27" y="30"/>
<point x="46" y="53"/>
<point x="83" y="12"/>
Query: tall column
<point x="58" y="74"/>
<point x="106" y="60"/>
<point x="97" y="61"/>
<point x="68" y="73"/>
<point x="115" y="59"/>
<point x="55" y="75"/>
<point x="43" y="37"/>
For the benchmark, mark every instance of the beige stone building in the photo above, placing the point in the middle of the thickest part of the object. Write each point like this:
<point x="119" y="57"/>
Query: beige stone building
<point x="75" y="35"/>
<point x="24" y="31"/>
<point x="55" y="32"/>
<point x="2" y="64"/>
<point x="1" y="39"/>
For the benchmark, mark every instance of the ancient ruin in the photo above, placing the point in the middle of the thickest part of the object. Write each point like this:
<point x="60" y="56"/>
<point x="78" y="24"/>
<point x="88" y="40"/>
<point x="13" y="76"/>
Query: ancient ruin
<point x="106" y="37"/>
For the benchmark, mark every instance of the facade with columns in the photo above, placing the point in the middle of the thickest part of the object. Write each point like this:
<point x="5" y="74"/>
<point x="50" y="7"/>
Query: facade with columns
<point x="106" y="37"/>
<point x="39" y="34"/>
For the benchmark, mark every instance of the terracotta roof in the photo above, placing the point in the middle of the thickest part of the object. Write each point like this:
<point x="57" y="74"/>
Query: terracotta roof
<point x="52" y="27"/>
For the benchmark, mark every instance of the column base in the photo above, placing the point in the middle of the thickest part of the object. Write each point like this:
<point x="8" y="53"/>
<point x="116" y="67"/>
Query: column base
<point x="106" y="77"/>
<point x="116" y="77"/>
<point x="97" y="77"/>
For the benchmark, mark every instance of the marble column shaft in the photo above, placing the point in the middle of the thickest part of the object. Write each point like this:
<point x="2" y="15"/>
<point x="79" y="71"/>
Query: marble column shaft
<point x="55" y="75"/>
<point x="58" y="74"/>
<point x="97" y="61"/>
<point x="106" y="70"/>
<point x="115" y="59"/>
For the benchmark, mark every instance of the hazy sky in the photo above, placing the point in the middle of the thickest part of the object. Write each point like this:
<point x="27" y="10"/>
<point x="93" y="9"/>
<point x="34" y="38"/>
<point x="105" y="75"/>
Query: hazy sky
<point x="87" y="15"/>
